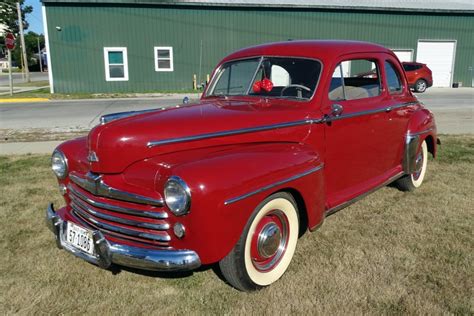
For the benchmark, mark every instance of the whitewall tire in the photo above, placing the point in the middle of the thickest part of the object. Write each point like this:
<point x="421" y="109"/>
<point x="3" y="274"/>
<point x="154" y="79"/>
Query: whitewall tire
<point x="412" y="181"/>
<point x="266" y="246"/>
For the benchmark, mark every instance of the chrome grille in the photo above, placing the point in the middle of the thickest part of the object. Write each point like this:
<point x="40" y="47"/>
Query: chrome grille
<point x="126" y="221"/>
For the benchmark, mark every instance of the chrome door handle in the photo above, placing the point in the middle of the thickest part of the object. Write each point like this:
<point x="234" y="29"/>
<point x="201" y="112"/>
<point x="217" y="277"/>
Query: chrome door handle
<point x="388" y="109"/>
<point x="336" y="109"/>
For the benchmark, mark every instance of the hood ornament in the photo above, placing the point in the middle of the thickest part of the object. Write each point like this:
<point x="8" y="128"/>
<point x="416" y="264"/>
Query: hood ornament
<point x="93" y="157"/>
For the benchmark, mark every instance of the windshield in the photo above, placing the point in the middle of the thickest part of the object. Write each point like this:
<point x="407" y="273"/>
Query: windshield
<point x="282" y="77"/>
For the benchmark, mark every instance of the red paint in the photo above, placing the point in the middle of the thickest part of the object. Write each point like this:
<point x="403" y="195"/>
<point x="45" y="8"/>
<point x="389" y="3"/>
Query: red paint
<point x="359" y="153"/>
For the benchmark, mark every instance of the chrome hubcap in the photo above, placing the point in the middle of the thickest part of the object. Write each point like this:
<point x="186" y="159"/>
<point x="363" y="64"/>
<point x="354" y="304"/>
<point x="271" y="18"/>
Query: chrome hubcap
<point x="269" y="240"/>
<point x="421" y="86"/>
<point x="418" y="166"/>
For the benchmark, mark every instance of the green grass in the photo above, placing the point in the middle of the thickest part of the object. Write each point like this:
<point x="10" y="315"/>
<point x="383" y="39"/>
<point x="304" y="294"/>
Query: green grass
<point x="45" y="93"/>
<point x="40" y="83"/>
<point x="390" y="253"/>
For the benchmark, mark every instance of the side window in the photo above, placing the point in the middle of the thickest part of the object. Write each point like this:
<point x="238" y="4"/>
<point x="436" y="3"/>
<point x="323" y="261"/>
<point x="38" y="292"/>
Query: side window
<point x="116" y="63"/>
<point x="393" y="78"/>
<point x="355" y="79"/>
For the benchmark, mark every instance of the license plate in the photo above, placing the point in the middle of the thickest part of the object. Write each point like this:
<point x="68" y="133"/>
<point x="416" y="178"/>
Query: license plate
<point x="80" y="238"/>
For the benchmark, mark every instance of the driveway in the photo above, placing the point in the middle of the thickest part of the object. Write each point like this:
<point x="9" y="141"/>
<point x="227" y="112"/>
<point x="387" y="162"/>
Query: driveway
<point x="453" y="109"/>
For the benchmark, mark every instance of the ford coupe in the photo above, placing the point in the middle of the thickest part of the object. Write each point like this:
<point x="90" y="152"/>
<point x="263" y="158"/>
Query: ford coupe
<point x="284" y="135"/>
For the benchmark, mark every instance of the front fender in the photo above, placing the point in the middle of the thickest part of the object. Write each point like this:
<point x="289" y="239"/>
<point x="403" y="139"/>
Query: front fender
<point x="227" y="185"/>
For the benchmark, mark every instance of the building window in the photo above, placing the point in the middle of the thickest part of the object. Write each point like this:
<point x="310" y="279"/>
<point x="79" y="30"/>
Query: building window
<point x="163" y="58"/>
<point x="116" y="63"/>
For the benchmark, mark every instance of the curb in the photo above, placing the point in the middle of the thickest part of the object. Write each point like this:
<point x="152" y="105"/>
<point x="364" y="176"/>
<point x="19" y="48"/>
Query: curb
<point x="23" y="100"/>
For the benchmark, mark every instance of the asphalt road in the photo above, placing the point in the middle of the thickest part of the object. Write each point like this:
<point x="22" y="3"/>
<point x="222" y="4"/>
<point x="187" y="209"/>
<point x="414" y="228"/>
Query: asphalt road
<point x="17" y="77"/>
<point x="453" y="108"/>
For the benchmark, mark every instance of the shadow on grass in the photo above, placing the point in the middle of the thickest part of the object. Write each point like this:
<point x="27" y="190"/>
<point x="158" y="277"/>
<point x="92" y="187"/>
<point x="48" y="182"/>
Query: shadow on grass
<point x="115" y="269"/>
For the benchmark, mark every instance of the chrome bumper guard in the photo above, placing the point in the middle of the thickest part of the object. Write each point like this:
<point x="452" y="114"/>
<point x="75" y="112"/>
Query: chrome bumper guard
<point x="106" y="253"/>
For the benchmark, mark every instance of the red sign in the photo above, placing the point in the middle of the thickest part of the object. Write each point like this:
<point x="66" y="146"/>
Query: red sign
<point x="10" y="41"/>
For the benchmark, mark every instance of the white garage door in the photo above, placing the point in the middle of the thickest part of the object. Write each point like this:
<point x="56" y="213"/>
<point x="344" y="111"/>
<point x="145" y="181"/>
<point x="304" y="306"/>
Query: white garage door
<point x="404" y="54"/>
<point x="439" y="57"/>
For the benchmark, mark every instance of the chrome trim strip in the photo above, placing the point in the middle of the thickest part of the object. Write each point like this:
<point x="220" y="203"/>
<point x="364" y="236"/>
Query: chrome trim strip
<point x="95" y="185"/>
<point x="124" y="231"/>
<point x="129" y="211"/>
<point x="368" y="112"/>
<point x="421" y="132"/>
<point x="107" y="253"/>
<point x="274" y="126"/>
<point x="233" y="132"/>
<point x="412" y="143"/>
<point x="83" y="206"/>
<point x="300" y="175"/>
<point x="339" y="207"/>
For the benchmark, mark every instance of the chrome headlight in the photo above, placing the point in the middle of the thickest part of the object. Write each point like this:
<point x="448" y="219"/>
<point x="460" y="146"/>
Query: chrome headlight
<point x="59" y="164"/>
<point x="177" y="196"/>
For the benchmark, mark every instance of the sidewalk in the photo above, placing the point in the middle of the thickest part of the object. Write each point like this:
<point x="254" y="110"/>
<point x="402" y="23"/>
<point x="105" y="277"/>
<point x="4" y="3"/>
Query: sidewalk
<point x="28" y="148"/>
<point x="5" y="91"/>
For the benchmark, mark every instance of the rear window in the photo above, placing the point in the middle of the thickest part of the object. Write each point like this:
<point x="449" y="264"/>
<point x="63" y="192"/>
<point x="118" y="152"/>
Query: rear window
<point x="411" y="67"/>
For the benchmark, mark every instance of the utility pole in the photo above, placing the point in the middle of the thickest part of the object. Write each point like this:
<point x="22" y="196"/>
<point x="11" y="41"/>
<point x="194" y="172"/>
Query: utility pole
<point x="22" y="38"/>
<point x="39" y="55"/>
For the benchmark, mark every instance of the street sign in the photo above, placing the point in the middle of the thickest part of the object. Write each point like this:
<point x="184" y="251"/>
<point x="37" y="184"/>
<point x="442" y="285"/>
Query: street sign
<point x="10" y="41"/>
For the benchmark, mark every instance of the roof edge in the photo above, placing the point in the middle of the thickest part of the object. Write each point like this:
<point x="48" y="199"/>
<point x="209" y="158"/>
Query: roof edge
<point x="254" y="5"/>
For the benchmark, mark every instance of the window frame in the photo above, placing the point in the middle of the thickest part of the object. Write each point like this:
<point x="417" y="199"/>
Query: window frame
<point x="107" y="64"/>
<point x="170" y="49"/>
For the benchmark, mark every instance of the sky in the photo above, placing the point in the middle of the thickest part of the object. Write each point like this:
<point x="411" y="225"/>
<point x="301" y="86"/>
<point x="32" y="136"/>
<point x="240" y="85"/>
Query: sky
<point x="35" y="18"/>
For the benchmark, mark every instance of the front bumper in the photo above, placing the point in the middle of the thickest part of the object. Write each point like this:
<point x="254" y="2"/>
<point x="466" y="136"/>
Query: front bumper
<point x="107" y="253"/>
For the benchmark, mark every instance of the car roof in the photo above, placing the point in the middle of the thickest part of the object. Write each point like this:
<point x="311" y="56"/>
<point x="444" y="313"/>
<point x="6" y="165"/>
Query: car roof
<point x="319" y="49"/>
<point x="411" y="63"/>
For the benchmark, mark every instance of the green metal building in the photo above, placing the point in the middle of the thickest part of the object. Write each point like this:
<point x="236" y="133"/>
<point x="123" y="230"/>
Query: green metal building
<point x="158" y="45"/>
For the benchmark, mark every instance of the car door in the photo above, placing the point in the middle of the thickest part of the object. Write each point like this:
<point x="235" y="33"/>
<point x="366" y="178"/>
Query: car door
<point x="399" y="103"/>
<point x="358" y="153"/>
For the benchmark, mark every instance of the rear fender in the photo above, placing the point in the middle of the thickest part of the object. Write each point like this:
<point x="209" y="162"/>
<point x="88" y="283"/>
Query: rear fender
<point x="226" y="187"/>
<point x="421" y="127"/>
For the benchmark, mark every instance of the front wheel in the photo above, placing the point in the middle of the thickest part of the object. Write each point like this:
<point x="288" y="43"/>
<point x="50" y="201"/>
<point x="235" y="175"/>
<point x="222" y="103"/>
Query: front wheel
<point x="266" y="247"/>
<point x="412" y="181"/>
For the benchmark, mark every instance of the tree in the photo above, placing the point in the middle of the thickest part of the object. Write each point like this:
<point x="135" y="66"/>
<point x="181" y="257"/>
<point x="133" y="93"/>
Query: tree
<point x="9" y="15"/>
<point x="31" y="44"/>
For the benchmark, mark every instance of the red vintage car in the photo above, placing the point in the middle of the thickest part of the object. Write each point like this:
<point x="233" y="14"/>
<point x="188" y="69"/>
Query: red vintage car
<point x="284" y="135"/>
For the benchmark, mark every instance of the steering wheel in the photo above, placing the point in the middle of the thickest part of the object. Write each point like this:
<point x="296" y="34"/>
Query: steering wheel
<point x="298" y="87"/>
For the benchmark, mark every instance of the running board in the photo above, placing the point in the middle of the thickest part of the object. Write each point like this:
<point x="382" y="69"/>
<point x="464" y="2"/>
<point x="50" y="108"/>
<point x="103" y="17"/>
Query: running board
<point x="363" y="195"/>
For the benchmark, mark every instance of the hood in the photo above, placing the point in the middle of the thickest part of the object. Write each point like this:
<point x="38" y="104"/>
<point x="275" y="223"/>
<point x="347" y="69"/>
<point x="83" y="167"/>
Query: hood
<point x="117" y="144"/>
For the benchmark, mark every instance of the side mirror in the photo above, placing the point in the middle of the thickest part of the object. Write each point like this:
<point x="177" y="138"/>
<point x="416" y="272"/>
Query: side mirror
<point x="336" y="109"/>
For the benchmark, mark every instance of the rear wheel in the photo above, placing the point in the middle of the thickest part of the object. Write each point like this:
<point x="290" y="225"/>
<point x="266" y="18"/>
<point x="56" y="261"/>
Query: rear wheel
<point x="421" y="85"/>
<point x="266" y="247"/>
<point x="412" y="181"/>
